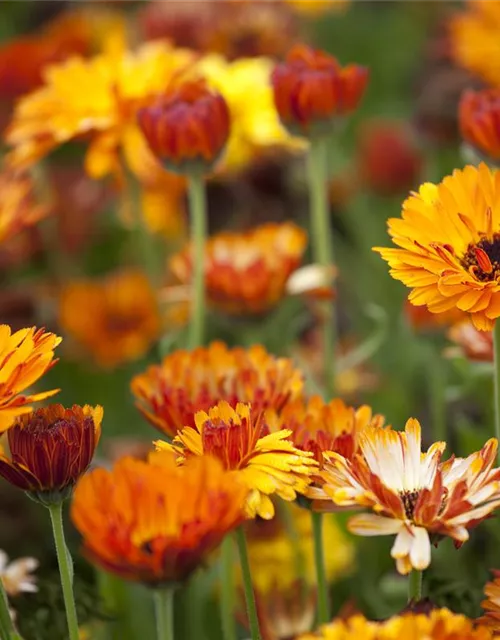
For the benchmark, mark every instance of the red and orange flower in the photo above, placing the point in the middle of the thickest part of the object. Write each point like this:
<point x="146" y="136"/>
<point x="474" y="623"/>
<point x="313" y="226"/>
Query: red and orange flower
<point x="156" y="522"/>
<point x="24" y="357"/>
<point x="50" y="449"/>
<point x="246" y="273"/>
<point x="473" y="344"/>
<point x="479" y="120"/>
<point x="412" y="494"/>
<point x="18" y="206"/>
<point x="169" y="394"/>
<point x="311" y="89"/>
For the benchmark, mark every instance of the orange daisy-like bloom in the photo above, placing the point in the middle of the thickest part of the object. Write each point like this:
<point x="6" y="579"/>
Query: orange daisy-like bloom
<point x="247" y="273"/>
<point x="50" y="449"/>
<point x="491" y="605"/>
<point x="116" y="319"/>
<point x="168" y="395"/>
<point x="155" y="522"/>
<point x="24" y="357"/>
<point x="18" y="206"/>
<point x="187" y="128"/>
<point x="266" y="462"/>
<point x="311" y="89"/>
<point x="412" y="494"/>
<point x="473" y="344"/>
<point x="319" y="427"/>
<point x="479" y="120"/>
<point x="449" y="244"/>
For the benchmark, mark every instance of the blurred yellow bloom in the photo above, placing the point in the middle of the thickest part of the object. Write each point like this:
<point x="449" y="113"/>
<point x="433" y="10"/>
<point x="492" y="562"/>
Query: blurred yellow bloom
<point x="18" y="208"/>
<point x="317" y="7"/>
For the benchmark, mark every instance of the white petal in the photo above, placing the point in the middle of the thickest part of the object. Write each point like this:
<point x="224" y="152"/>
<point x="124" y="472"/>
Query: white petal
<point x="369" y="524"/>
<point x="4" y="559"/>
<point x="402" y="544"/>
<point x="420" y="552"/>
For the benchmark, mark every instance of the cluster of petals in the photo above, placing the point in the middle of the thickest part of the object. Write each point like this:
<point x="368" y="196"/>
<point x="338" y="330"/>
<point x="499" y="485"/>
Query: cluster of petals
<point x="491" y="605"/>
<point x="479" y="120"/>
<point x="18" y="206"/>
<point x="411" y="494"/>
<point x="472" y="344"/>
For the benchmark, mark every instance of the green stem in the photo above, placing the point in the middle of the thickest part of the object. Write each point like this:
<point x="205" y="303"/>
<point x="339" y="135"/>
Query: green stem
<point x="65" y="569"/>
<point x="164" y="611"/>
<point x="6" y="625"/>
<point x="253" y="618"/>
<point x="415" y="586"/>
<point x="437" y="397"/>
<point x="198" y="216"/>
<point x="317" y="527"/>
<point x="322" y="244"/>
<point x="496" y="347"/>
<point x="227" y="590"/>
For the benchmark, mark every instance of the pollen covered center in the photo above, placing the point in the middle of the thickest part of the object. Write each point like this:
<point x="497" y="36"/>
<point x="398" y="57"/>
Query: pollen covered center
<point x="409" y="499"/>
<point x="482" y="260"/>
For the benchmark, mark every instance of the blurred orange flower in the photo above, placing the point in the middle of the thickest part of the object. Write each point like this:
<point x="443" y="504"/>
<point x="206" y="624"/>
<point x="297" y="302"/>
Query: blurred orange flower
<point x="267" y="463"/>
<point x="473" y="344"/>
<point x="18" y="206"/>
<point x="479" y="120"/>
<point x="186" y="128"/>
<point x="491" y="605"/>
<point x="169" y="394"/>
<point x="24" y="357"/>
<point x="247" y="273"/>
<point x="421" y="319"/>
<point x="317" y="7"/>
<point x="156" y="522"/>
<point x="115" y="319"/>
<point x="50" y="449"/>
<point x="311" y="89"/>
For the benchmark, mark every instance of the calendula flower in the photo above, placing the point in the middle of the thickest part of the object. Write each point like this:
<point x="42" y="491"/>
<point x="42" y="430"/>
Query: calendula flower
<point x="473" y="344"/>
<point x="17" y="576"/>
<point x="24" y="357"/>
<point x="246" y="273"/>
<point x="50" y="449"/>
<point x="315" y="8"/>
<point x="412" y="494"/>
<point x="267" y="463"/>
<point x="479" y="120"/>
<point x="169" y="394"/>
<point x="156" y="522"/>
<point x="116" y="319"/>
<point x="319" y="427"/>
<point x="448" y="240"/>
<point x="312" y="90"/>
<point x="440" y="624"/>
<point x="112" y="87"/>
<point x="18" y="206"/>
<point x="491" y="605"/>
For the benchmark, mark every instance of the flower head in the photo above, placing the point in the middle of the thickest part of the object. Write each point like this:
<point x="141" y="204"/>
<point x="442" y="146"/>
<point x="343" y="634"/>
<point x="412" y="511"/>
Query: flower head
<point x="50" y="449"/>
<point x="169" y="395"/>
<point x="473" y="344"/>
<point x="18" y="207"/>
<point x="156" y="522"/>
<point x="479" y="120"/>
<point x="311" y="89"/>
<point x="247" y="273"/>
<point x="17" y="576"/>
<point x="491" y="605"/>
<point x="317" y="7"/>
<point x="412" y="494"/>
<point x="24" y="357"/>
<point x="448" y="240"/>
<point x="187" y="128"/>
<point x="116" y="319"/>
<point x="266" y="462"/>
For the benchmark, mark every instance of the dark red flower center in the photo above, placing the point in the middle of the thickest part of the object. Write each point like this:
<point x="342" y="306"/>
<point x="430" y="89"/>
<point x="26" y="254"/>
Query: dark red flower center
<point x="409" y="499"/>
<point x="482" y="260"/>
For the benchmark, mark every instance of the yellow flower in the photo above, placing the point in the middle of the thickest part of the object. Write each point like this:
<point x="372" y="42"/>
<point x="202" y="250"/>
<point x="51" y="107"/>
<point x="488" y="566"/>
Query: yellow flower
<point x="412" y="494"/>
<point x="266" y="462"/>
<point x="18" y="208"/>
<point x="116" y="319"/>
<point x="449" y="244"/>
<point x="24" y="357"/>
<point x="317" y="7"/>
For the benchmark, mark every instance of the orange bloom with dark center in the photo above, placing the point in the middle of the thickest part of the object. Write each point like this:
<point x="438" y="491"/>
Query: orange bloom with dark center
<point x="479" y="119"/>
<point x="247" y="273"/>
<point x="18" y="206"/>
<point x="311" y="89"/>
<point x="471" y="343"/>
<point x="169" y="394"/>
<point x="155" y="522"/>
<point x="320" y="426"/>
<point x="50" y="449"/>
<point x="187" y="127"/>
<point x="115" y="319"/>
<point x="24" y="357"/>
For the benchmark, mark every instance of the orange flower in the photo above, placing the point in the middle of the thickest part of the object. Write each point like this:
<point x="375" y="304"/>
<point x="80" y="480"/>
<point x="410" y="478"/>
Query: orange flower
<point x="265" y="462"/>
<point x="50" y="449"/>
<point x="491" y="605"/>
<point x="473" y="344"/>
<point x="311" y="89"/>
<point x="155" y="522"/>
<point x="319" y="427"/>
<point x="18" y="207"/>
<point x="479" y="119"/>
<point x="411" y="494"/>
<point x="421" y="319"/>
<point x="188" y="127"/>
<point x="448" y="242"/>
<point x="24" y="357"/>
<point x="169" y="395"/>
<point x="247" y="273"/>
<point x="115" y="319"/>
